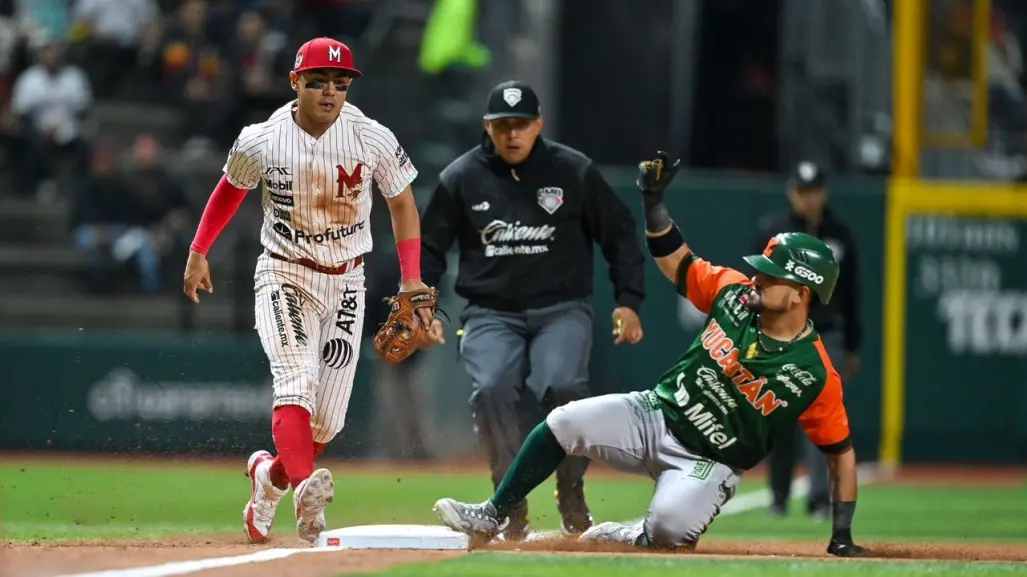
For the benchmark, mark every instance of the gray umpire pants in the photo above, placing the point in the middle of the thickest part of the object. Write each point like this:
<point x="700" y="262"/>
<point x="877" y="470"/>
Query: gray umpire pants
<point x="794" y="445"/>
<point x="545" y="349"/>
<point x="628" y="433"/>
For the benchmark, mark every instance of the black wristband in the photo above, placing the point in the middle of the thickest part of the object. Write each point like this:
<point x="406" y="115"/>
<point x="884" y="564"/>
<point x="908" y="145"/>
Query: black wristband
<point x="842" y="513"/>
<point x="666" y="243"/>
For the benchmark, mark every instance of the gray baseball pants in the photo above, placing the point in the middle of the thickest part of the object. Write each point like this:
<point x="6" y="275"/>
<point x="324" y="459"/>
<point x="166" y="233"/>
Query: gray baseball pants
<point x="545" y="349"/>
<point x="627" y="432"/>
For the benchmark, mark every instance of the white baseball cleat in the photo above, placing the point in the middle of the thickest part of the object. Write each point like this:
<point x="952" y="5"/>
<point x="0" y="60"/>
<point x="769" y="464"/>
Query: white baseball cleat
<point x="259" y="513"/>
<point x="310" y="499"/>
<point x="610" y="532"/>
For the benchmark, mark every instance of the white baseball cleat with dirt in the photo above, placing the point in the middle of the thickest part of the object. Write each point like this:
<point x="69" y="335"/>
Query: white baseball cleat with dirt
<point x="610" y="532"/>
<point x="310" y="499"/>
<point x="259" y="513"/>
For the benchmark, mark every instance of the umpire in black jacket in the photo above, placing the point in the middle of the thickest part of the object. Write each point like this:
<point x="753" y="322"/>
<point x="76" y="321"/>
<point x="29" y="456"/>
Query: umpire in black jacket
<point x="525" y="212"/>
<point x="838" y="324"/>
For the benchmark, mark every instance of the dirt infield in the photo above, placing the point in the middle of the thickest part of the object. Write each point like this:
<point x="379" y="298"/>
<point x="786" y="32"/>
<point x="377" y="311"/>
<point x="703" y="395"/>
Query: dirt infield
<point x="800" y="550"/>
<point x="54" y="559"/>
<point x="66" y="558"/>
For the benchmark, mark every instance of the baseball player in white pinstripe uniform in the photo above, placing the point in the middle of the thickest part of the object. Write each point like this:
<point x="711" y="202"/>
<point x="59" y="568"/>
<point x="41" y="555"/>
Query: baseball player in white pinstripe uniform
<point x="315" y="159"/>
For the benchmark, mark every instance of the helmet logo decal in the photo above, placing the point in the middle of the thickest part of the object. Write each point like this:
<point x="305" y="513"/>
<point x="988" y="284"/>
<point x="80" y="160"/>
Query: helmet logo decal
<point x="803" y="272"/>
<point x="769" y="250"/>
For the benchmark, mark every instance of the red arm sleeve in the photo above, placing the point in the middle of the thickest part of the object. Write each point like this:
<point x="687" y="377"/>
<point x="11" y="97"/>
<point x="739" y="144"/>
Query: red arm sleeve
<point x="703" y="281"/>
<point x="220" y="209"/>
<point x="826" y="421"/>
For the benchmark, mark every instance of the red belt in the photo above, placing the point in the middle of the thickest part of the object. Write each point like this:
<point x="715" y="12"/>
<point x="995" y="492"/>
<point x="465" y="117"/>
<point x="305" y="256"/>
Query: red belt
<point x="341" y="269"/>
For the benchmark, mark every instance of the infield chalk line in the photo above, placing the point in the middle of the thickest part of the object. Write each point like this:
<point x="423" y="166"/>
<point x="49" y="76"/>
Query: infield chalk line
<point x="742" y="503"/>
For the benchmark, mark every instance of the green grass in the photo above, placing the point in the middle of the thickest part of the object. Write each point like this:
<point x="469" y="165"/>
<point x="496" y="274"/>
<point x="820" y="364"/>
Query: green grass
<point x="907" y="513"/>
<point x="54" y="502"/>
<point x="519" y="565"/>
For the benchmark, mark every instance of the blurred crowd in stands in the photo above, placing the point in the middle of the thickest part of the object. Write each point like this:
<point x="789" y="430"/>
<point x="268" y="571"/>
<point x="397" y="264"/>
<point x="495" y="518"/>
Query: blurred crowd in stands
<point x="223" y="62"/>
<point x="951" y="80"/>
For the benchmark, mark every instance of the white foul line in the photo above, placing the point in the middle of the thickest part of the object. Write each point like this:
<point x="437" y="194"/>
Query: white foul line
<point x="740" y="504"/>
<point x="184" y="567"/>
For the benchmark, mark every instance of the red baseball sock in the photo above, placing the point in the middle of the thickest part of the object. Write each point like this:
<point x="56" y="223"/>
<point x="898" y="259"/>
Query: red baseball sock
<point x="294" y="441"/>
<point x="278" y="477"/>
<point x="318" y="449"/>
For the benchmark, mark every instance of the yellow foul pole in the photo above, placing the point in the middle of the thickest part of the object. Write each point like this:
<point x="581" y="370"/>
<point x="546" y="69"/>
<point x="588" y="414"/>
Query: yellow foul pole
<point x="907" y="81"/>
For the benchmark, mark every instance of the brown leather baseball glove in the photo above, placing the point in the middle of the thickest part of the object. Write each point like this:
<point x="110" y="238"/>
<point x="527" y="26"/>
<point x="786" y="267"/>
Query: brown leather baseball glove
<point x="404" y="332"/>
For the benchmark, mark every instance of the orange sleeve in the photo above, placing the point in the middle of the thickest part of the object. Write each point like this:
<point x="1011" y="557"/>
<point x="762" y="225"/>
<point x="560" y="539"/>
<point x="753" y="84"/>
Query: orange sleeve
<point x="703" y="282"/>
<point x="826" y="421"/>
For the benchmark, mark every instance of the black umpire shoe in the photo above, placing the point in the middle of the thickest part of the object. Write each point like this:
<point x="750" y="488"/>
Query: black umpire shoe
<point x="576" y="518"/>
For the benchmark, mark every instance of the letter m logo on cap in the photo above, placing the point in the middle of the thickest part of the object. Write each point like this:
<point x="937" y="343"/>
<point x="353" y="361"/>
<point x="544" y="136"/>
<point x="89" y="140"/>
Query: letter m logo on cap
<point x="334" y="54"/>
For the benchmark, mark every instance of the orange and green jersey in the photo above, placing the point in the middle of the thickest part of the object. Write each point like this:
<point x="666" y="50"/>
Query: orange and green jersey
<point x="727" y="398"/>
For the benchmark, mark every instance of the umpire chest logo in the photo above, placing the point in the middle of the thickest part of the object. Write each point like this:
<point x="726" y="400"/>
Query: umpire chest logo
<point x="550" y="198"/>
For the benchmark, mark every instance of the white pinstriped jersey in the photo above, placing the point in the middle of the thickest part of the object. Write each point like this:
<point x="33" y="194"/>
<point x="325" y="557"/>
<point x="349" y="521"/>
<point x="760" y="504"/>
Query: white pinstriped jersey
<point x="317" y="192"/>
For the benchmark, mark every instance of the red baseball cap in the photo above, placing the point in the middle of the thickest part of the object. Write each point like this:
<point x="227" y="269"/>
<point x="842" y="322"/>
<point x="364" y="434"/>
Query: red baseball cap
<point x="325" y="53"/>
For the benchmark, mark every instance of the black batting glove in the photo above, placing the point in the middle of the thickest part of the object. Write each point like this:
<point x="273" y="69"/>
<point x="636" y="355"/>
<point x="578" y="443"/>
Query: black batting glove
<point x="654" y="176"/>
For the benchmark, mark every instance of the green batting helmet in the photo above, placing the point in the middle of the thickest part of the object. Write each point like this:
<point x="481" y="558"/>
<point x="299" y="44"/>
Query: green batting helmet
<point x="801" y="258"/>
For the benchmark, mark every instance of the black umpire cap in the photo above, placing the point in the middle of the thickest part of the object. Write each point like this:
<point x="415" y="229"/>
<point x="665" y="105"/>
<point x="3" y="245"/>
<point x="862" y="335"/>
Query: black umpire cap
<point x="512" y="99"/>
<point x="807" y="175"/>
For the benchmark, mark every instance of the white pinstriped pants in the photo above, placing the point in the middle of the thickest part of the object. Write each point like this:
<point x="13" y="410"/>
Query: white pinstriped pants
<point x="310" y="325"/>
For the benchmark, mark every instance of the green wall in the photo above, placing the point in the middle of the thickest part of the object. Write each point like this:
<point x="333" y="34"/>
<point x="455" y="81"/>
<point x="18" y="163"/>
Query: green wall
<point x="966" y="339"/>
<point x="966" y="356"/>
<point x="81" y="391"/>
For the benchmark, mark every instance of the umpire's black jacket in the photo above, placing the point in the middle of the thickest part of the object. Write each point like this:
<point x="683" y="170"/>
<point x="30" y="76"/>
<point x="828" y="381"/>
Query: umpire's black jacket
<point x="842" y="313"/>
<point x="526" y="232"/>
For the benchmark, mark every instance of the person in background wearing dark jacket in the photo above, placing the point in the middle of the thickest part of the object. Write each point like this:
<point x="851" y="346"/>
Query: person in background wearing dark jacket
<point x="525" y="213"/>
<point x="838" y="323"/>
<point x="98" y="216"/>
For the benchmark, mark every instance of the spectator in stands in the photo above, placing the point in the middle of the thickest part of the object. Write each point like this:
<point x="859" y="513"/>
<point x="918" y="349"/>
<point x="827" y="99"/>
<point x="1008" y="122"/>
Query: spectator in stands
<point x="44" y="18"/>
<point x="333" y="18"/>
<point x="259" y="65"/>
<point x="1005" y="67"/>
<point x="10" y="40"/>
<point x="50" y="101"/>
<point x="98" y="216"/>
<point x="157" y="213"/>
<point x="952" y="39"/>
<point x="194" y="70"/>
<point x="280" y="16"/>
<point x="116" y="36"/>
